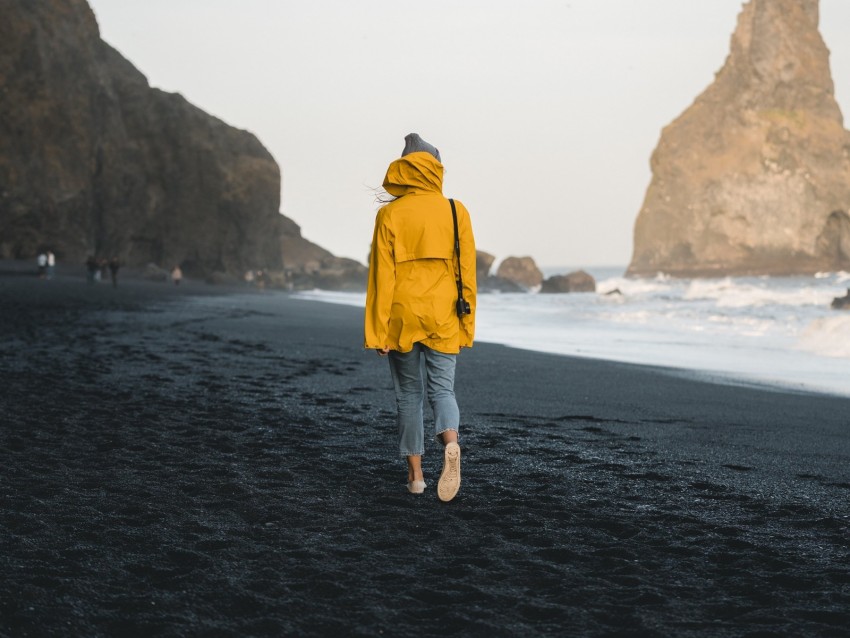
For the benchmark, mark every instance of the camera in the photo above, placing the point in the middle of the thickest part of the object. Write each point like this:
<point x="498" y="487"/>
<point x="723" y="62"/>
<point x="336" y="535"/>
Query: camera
<point x="463" y="307"/>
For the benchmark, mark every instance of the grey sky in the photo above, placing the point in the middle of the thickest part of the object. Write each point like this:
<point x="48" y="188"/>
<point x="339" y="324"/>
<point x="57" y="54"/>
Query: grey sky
<point x="545" y="112"/>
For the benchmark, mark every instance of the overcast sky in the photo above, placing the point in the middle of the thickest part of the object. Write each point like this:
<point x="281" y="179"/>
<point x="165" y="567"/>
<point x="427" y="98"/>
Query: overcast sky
<point x="545" y="111"/>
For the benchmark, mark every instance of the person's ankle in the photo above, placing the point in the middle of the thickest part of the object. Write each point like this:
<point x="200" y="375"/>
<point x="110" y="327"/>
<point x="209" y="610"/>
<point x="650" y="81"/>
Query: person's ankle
<point x="449" y="436"/>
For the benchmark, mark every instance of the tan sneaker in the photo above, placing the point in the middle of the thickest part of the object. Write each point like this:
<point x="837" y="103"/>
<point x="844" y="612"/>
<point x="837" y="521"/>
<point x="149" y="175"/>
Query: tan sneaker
<point x="450" y="478"/>
<point x="416" y="487"/>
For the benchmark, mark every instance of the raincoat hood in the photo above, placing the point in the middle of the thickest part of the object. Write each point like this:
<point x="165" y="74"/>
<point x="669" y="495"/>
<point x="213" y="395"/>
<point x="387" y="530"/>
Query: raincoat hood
<point x="414" y="173"/>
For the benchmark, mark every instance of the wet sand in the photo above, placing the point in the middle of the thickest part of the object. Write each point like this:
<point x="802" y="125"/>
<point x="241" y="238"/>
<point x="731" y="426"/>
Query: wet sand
<point x="178" y="461"/>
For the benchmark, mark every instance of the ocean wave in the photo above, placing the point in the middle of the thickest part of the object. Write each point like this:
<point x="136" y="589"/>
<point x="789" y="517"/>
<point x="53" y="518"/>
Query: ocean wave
<point x="827" y="337"/>
<point x="732" y="293"/>
<point x="840" y="276"/>
<point x="635" y="287"/>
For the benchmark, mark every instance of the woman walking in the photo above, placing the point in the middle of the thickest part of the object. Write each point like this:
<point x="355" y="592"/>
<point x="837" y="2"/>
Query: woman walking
<point x="420" y="304"/>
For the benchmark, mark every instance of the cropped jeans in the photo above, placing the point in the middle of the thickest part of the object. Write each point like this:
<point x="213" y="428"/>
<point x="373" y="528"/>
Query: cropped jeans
<point x="415" y="372"/>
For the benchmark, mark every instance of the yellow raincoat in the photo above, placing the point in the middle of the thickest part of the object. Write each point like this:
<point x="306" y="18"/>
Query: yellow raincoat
<point x="412" y="291"/>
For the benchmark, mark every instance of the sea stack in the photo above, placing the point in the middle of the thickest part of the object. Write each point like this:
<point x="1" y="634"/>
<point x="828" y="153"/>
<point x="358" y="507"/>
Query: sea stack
<point x="754" y="177"/>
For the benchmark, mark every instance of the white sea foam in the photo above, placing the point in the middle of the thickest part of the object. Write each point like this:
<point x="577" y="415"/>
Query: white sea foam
<point x="769" y="330"/>
<point x="839" y="277"/>
<point x="828" y="337"/>
<point x="730" y="293"/>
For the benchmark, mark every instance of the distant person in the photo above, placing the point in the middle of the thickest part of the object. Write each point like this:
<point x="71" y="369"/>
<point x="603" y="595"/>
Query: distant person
<point x="114" y="265"/>
<point x="91" y="269"/>
<point x="176" y="275"/>
<point x="102" y="269"/>
<point x="51" y="264"/>
<point x="41" y="260"/>
<point x="419" y="310"/>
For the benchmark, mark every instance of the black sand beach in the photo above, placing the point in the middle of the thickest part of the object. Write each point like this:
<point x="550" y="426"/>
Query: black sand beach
<point x="177" y="461"/>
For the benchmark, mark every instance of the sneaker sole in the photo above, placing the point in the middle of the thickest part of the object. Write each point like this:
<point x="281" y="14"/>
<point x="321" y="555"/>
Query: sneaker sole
<point x="449" y="483"/>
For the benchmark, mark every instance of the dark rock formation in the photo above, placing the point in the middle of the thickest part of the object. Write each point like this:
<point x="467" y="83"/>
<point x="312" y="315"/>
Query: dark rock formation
<point x="497" y="284"/>
<point x="578" y="281"/>
<point x="490" y="283"/>
<point x="307" y="265"/>
<point x="334" y="273"/>
<point x="754" y="177"/>
<point x="94" y="161"/>
<point x="842" y="303"/>
<point x="483" y="263"/>
<point x="520" y="270"/>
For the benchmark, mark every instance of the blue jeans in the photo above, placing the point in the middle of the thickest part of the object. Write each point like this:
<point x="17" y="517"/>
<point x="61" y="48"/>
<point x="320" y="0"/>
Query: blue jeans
<point x="413" y="372"/>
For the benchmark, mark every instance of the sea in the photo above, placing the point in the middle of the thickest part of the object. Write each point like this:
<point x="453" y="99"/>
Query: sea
<point x="774" y="332"/>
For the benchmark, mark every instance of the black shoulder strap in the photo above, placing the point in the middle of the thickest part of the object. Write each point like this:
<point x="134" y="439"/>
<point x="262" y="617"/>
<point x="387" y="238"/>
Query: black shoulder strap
<point x="457" y="251"/>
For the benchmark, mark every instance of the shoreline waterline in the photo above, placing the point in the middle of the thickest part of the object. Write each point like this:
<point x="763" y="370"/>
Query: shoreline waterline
<point x="772" y="333"/>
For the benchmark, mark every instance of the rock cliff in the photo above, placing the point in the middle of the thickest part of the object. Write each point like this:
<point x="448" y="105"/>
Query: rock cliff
<point x="95" y="161"/>
<point x="492" y="283"/>
<point x="483" y="263"/>
<point x="520" y="270"/>
<point x="754" y="177"/>
<point x="578" y="281"/>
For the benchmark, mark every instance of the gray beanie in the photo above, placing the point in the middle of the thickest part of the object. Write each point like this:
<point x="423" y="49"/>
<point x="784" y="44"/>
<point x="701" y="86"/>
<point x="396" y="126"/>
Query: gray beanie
<point x="414" y="144"/>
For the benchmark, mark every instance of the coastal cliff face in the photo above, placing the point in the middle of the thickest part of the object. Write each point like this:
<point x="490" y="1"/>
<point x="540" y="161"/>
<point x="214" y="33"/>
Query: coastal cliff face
<point x="754" y="177"/>
<point x="94" y="161"/>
